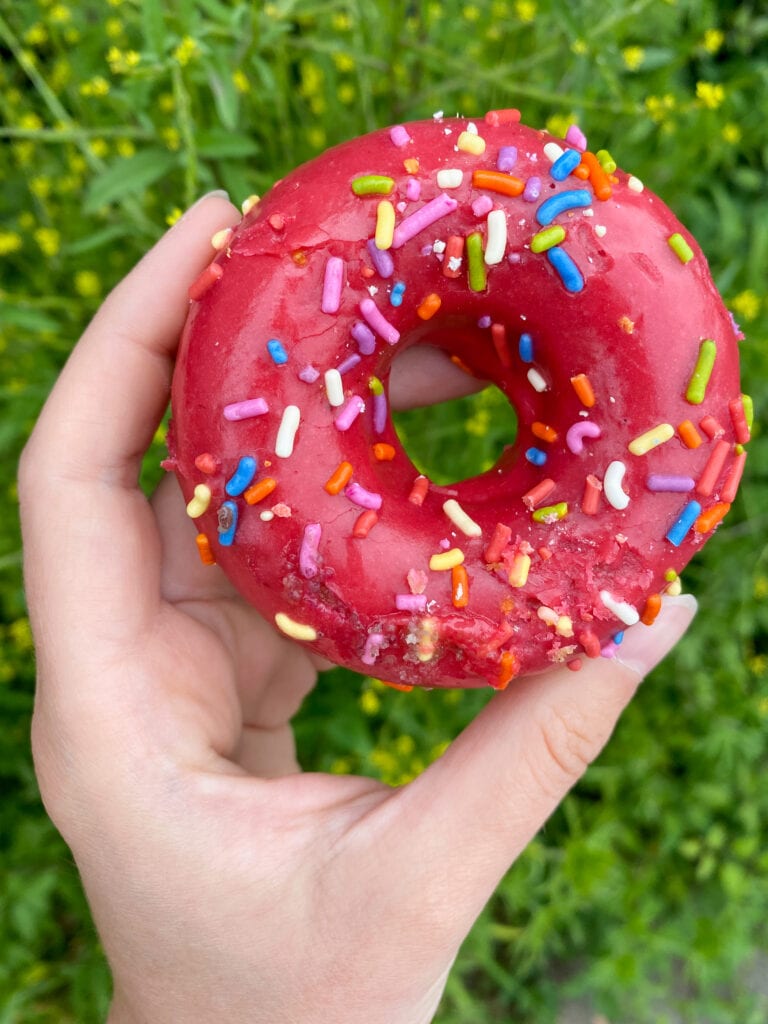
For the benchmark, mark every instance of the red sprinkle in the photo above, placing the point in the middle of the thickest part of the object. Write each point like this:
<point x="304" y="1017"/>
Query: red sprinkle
<point x="713" y="469"/>
<point x="510" y="115"/>
<point x="732" y="481"/>
<point x="499" y="540"/>
<point x="207" y="464"/>
<point x="590" y="643"/>
<point x="538" y="493"/>
<point x="212" y="273"/>
<point x="419" y="491"/>
<point x="590" y="503"/>
<point x="454" y="250"/>
<point x="711" y="427"/>
<point x="575" y="665"/>
<point x="499" y="338"/>
<point x="364" y="524"/>
<point x="544" y="553"/>
<point x="739" y="420"/>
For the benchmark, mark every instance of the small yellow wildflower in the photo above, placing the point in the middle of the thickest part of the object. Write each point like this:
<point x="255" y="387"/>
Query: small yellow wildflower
<point x="633" y="57"/>
<point x="59" y="14"/>
<point x="478" y="424"/>
<point x="434" y="12"/>
<point x="24" y="152"/>
<point x="77" y="162"/>
<point x="241" y="81"/>
<point x="21" y="634"/>
<point x="341" y="766"/>
<point x="173" y="216"/>
<point x="311" y="78"/>
<point x="471" y="13"/>
<point x="369" y="702"/>
<point x="30" y="122"/>
<point x="763" y="706"/>
<point x="405" y="745"/>
<point x="757" y="664"/>
<point x="96" y="86"/>
<point x="746" y="305"/>
<point x="316" y="137"/>
<point x="526" y="10"/>
<point x="659" y="106"/>
<point x="114" y="28"/>
<point x="72" y="36"/>
<point x="439" y="749"/>
<point x="87" y="284"/>
<point x="61" y="73"/>
<point x="713" y="40"/>
<point x="272" y="11"/>
<point x="160" y="434"/>
<point x="49" y="240"/>
<point x="125" y="147"/>
<point x="171" y="137"/>
<point x="114" y="3"/>
<point x="99" y="147"/>
<point x="10" y="241"/>
<point x="166" y="102"/>
<point x="731" y="133"/>
<point x="26" y="220"/>
<point x="186" y="51"/>
<point x="579" y="47"/>
<point x="40" y="186"/>
<point x="711" y="94"/>
<point x="122" y="61"/>
<point x="341" y="22"/>
<point x="346" y="93"/>
<point x="344" y="62"/>
<point x="36" y="35"/>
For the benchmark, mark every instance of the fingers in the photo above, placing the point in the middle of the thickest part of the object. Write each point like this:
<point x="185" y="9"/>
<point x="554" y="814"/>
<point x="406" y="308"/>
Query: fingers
<point x="424" y="375"/>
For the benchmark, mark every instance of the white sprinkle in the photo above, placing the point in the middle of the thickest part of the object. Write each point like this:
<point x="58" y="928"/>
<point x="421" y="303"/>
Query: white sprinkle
<point x="472" y="127"/>
<point x="628" y="615"/>
<point x="334" y="387"/>
<point x="497" y="237"/>
<point x="612" y="488"/>
<point x="600" y="230"/>
<point x="266" y="516"/>
<point x="438" y="245"/>
<point x="535" y="379"/>
<point x="438" y="115"/>
<point x="553" y="152"/>
<point x="454" y="262"/>
<point x="634" y="184"/>
<point x="286" y="433"/>
<point x="460" y="519"/>
<point x="450" y="177"/>
<point x="589" y="212"/>
<point x="402" y="207"/>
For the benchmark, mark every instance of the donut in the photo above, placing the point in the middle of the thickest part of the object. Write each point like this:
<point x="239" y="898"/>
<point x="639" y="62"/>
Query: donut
<point x="538" y="265"/>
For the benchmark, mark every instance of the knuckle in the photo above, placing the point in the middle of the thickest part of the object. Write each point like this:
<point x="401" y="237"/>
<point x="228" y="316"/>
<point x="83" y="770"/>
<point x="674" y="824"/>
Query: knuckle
<point x="567" y="745"/>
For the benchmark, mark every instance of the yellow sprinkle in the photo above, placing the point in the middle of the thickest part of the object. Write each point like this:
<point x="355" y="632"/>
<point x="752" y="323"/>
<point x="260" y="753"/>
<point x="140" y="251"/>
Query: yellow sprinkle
<point x="221" y="239"/>
<point x="518" y="575"/>
<point x="295" y="630"/>
<point x="249" y="203"/>
<point x="200" y="502"/>
<point x="651" y="439"/>
<point x="675" y="587"/>
<point x="564" y="626"/>
<point x="460" y="519"/>
<point x="468" y="142"/>
<point x="385" y="224"/>
<point x="446" y="560"/>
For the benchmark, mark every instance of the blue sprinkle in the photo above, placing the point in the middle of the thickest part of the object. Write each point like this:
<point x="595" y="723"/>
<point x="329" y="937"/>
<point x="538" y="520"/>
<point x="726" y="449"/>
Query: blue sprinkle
<point x="526" y="348"/>
<point x="227" y="536"/>
<point x="563" y="201"/>
<point x="536" y="456"/>
<point x="685" y="521"/>
<point x="618" y="637"/>
<point x="569" y="273"/>
<point x="278" y="353"/>
<point x="396" y="295"/>
<point x="241" y="478"/>
<point x="564" y="164"/>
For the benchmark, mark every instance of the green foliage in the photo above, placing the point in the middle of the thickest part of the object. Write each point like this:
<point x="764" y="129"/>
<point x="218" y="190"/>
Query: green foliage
<point x="648" y="891"/>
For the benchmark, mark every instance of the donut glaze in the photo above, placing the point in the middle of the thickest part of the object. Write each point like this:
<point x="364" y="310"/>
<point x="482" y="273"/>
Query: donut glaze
<point x="601" y="331"/>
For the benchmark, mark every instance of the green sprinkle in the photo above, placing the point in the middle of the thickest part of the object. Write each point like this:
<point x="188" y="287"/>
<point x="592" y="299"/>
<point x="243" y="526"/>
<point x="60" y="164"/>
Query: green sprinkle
<point x="701" y="373"/>
<point x="547" y="238"/>
<point x="606" y="161"/>
<point x="551" y="513"/>
<point x="749" y="410"/>
<point x="680" y="248"/>
<point x="476" y="263"/>
<point x="670" y="575"/>
<point x="373" y="185"/>
<point x="375" y="385"/>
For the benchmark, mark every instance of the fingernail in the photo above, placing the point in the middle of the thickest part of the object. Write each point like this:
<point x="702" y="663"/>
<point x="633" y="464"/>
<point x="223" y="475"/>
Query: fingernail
<point x="218" y="193"/>
<point x="645" y="646"/>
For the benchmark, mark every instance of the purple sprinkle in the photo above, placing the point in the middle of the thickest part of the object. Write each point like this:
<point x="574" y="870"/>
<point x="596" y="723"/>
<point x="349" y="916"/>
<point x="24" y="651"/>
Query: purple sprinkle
<point x="308" y="552"/>
<point x="379" y="413"/>
<point x="506" y="159"/>
<point x="669" y="482"/>
<point x="372" y="647"/>
<point x="399" y="136"/>
<point x="432" y="211"/>
<point x="482" y="205"/>
<point x="349" y="412"/>
<point x="412" y="189"/>
<point x="484" y="321"/>
<point x="426" y="250"/>
<point x="532" y="189"/>
<point x="332" y="284"/>
<point x="381" y="259"/>
<point x="364" y="336"/>
<point x="410" y="602"/>
<point x="309" y="374"/>
<point x="576" y="137"/>
<point x="365" y="499"/>
<point x="379" y="322"/>
<point x="347" y="364"/>
<point x="245" y="410"/>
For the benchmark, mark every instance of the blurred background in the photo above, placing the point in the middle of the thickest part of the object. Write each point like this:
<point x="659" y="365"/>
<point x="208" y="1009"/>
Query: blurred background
<point x="645" y="898"/>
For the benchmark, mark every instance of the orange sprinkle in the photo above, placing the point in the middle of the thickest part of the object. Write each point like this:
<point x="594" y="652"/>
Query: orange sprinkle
<point x="259" y="491"/>
<point x="411" y="165"/>
<point x="459" y="586"/>
<point x="543" y="432"/>
<point x="383" y="452"/>
<point x="367" y="272"/>
<point x="508" y="669"/>
<point x="544" y="553"/>
<point x="299" y="257"/>
<point x="582" y="171"/>
<point x="206" y="463"/>
<point x="498" y="181"/>
<point x="597" y="176"/>
<point x="429" y="306"/>
<point x="364" y="523"/>
<point x="403" y="687"/>
<point x="651" y="610"/>
<point x="461" y="365"/>
<point x="710" y="517"/>
<point x="339" y="478"/>
<point x="583" y="389"/>
<point x="454" y="250"/>
<point x="204" y="549"/>
<point x="689" y="435"/>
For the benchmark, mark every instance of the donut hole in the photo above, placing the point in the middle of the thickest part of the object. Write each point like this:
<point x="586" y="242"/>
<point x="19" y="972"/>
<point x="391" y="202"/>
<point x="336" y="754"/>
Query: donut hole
<point x="460" y="438"/>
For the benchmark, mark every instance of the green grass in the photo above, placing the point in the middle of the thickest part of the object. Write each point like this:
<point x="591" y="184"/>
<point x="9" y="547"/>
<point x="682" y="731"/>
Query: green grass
<point x="649" y="888"/>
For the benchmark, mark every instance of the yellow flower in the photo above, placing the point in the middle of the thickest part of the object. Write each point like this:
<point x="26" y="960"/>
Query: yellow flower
<point x="579" y="47"/>
<point x="114" y="3"/>
<point x="113" y="27"/>
<point x="346" y="93"/>
<point x="77" y="163"/>
<point x="49" y="240"/>
<point x="10" y="241"/>
<point x="471" y="13"/>
<point x="125" y="147"/>
<point x="633" y="56"/>
<point x="60" y="75"/>
<point x="311" y="78"/>
<point x="558" y="124"/>
<point x="30" y="122"/>
<point x="341" y="22"/>
<point x="96" y="86"/>
<point x="173" y="216"/>
<point x="439" y="749"/>
<point x="59" y="14"/>
<point x="160" y="434"/>
<point x="166" y="102"/>
<point x="24" y="152"/>
<point x="36" y="35"/>
<point x="25" y="220"/>
<point x="757" y="664"/>
<point x="344" y="62"/>
<point x="171" y="137"/>
<point x="369" y="702"/>
<point x="316" y="137"/>
<point x="40" y="186"/>
<point x="186" y="51"/>
<point x="747" y="305"/>
<point x="99" y="147"/>
<point x="478" y="424"/>
<point x="711" y="94"/>
<point x="21" y="634"/>
<point x="659" y="106"/>
<point x="241" y="80"/>
<point x="525" y="10"/>
<point x="713" y="39"/>
<point x="731" y="133"/>
<point x="122" y="61"/>
<point x="87" y="284"/>
<point x="405" y="745"/>
<point x="341" y="766"/>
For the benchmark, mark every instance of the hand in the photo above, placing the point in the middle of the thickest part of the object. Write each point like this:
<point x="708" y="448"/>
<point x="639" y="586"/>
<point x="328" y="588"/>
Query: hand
<point x="225" y="884"/>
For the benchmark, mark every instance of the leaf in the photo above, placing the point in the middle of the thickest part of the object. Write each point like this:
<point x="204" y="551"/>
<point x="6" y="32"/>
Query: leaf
<point x="27" y="319"/>
<point x="217" y="144"/>
<point x="225" y="94"/>
<point x="153" y="26"/>
<point x="128" y="176"/>
<point x="96" y="240"/>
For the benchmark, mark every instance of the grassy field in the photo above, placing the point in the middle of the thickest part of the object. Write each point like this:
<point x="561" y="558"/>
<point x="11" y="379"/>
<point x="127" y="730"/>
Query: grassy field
<point x="648" y="891"/>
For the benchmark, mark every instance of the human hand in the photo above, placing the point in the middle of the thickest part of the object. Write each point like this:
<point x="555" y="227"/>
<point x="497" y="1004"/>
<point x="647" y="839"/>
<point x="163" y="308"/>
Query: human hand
<point x="225" y="884"/>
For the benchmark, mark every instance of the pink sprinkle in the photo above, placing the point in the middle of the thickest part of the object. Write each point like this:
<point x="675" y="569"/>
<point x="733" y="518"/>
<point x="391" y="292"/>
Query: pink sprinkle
<point x="399" y="136"/>
<point x="574" y="438"/>
<point x="482" y="205"/>
<point x="379" y="322"/>
<point x="484" y="321"/>
<point x="372" y="648"/>
<point x="365" y="499"/>
<point x="308" y="565"/>
<point x="431" y="212"/>
<point x="609" y="650"/>
<point x="277" y="221"/>
<point x="417" y="580"/>
<point x="245" y="410"/>
<point x="445" y="544"/>
<point x="309" y="374"/>
<point x="575" y="137"/>
<point x="332" y="284"/>
<point x="349" y="412"/>
<point x="412" y="189"/>
<point x="410" y="602"/>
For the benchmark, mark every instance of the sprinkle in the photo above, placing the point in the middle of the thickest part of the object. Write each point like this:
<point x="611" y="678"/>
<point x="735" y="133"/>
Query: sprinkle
<point x="200" y="502"/>
<point x="379" y="407"/>
<point x="680" y="247"/>
<point x="506" y="158"/>
<point x="276" y="221"/>
<point x="277" y="352"/>
<point x="419" y="491"/>
<point x="295" y="630"/>
<point x="332" y="284"/>
<point x="614" y="493"/>
<point x="396" y="295"/>
<point x="412" y="189"/>
<point x="732" y="481"/>
<point x="499" y="339"/>
<point x="423" y="218"/>
<point x="709" y="519"/>
<point x="260" y="490"/>
<point x="651" y="610"/>
<point x="608" y="650"/>
<point x="712" y="427"/>
<point x="484" y="322"/>
<point x="286" y="433"/>
<point x="569" y="273"/>
<point x="499" y="540"/>
<point x="606" y="161"/>
<point x="349" y="413"/>
<point x="482" y="205"/>
<point x="536" y="456"/>
<point x="365" y="499"/>
<point x="749" y="410"/>
<point x="266" y="516"/>
<point x="453" y="256"/>
<point x="373" y="644"/>
<point x="623" y="611"/>
<point x="635" y="184"/>
<point x="364" y="336"/>
<point x="411" y="602"/>
<point x="684" y="522"/>
<point x="739" y="420"/>
<point x="509" y="666"/>
<point x="544" y="432"/>
<point x="245" y="410"/>
<point x="675" y="588"/>
<point x="450" y="177"/>
<point x="532" y="190"/>
<point x="446" y="560"/>
<point x="429" y="306"/>
<point x="583" y="389"/>
<point x="575" y="435"/>
<point x="570" y="200"/>
<point x="651" y="439"/>
<point x="553" y="151"/>
<point x="708" y="479"/>
<point x="518" y="573"/>
<point x="348" y="364"/>
<point x="539" y="493"/>
<point x="308" y="566"/>
<point x="381" y="259"/>
<point x="207" y="556"/>
<point x="207" y="279"/>
<point x="364" y="523"/>
<point x="248" y="204"/>
<point x="576" y="137"/>
<point x="689" y="435"/>
<point x="378" y="322"/>
<point x="334" y="387"/>
<point x="308" y="374"/>
<point x="590" y="501"/>
<point x="476" y="267"/>
<point x="227" y="516"/>
<point x="469" y="142"/>
<point x="460" y="519"/>
<point x="459" y="587"/>
<point x="590" y="643"/>
<point x="207" y="464"/>
<point x="373" y="185"/>
<point x="702" y="372"/>
<point x="597" y="177"/>
<point x="669" y="483"/>
<point x="600" y="231"/>
<point x="525" y="348"/>
<point x="242" y="477"/>
<point x="545" y="239"/>
<point x="399" y="135"/>
<point x="536" y="380"/>
<point x="564" y="626"/>
<point x="564" y="164"/>
<point x="501" y="117"/>
<point x="339" y="479"/>
<point x="496" y="181"/>
<point x="221" y="239"/>
<point x="496" y="241"/>
<point x="385" y="224"/>
<point x="548" y="615"/>
<point x="551" y="513"/>
<point x="425" y="649"/>
<point x="383" y="452"/>
<point x="670" y="575"/>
